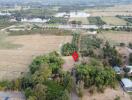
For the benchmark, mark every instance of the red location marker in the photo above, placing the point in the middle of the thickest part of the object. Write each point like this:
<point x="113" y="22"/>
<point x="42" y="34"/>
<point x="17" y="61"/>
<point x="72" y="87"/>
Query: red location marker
<point x="75" y="56"/>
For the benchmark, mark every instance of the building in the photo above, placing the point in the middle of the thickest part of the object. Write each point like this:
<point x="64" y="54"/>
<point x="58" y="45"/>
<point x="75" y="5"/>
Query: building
<point x="11" y="95"/>
<point x="73" y="14"/>
<point x="126" y="84"/>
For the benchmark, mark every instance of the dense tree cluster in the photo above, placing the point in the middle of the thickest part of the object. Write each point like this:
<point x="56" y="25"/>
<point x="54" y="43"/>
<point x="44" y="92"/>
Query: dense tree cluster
<point x="92" y="46"/>
<point x="44" y="81"/>
<point x="69" y="48"/>
<point x="130" y="59"/>
<point x="111" y="55"/>
<point x="130" y="45"/>
<point x="89" y="45"/>
<point x="125" y="28"/>
<point x="95" y="76"/>
<point x="56" y="20"/>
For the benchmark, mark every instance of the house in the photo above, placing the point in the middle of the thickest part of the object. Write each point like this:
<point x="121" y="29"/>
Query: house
<point x="126" y="84"/>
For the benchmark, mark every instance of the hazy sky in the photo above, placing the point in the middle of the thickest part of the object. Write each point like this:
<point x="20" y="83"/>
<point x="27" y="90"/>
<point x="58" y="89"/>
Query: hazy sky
<point x="70" y="1"/>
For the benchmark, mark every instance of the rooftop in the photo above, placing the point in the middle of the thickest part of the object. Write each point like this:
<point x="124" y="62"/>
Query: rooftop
<point x="127" y="82"/>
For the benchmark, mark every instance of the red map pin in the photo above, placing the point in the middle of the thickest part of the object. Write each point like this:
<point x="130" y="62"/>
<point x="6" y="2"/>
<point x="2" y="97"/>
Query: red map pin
<point x="75" y="56"/>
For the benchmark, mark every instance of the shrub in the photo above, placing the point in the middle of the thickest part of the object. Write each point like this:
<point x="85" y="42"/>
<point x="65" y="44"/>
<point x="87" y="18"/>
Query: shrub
<point x="130" y="59"/>
<point x="68" y="48"/>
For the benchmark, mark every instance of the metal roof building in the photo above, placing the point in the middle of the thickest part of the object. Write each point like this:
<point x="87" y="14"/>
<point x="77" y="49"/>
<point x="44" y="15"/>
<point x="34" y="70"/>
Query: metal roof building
<point x="127" y="84"/>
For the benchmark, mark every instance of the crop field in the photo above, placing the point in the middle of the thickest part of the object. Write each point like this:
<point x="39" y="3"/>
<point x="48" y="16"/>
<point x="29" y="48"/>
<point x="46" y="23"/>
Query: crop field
<point x="83" y="20"/>
<point x="14" y="62"/>
<point x="116" y="36"/>
<point x="95" y="21"/>
<point x="114" y="21"/>
<point x="57" y="32"/>
<point x="111" y="11"/>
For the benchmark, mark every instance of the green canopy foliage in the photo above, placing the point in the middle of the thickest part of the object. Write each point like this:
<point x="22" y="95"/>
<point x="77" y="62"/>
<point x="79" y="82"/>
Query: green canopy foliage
<point x="96" y="76"/>
<point x="69" y="48"/>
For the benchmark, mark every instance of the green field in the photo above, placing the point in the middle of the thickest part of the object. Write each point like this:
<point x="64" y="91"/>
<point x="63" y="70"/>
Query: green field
<point x="83" y="20"/>
<point x="95" y="21"/>
<point x="114" y="21"/>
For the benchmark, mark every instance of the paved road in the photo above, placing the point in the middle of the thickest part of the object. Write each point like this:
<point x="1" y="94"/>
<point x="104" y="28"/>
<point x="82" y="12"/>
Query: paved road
<point x="79" y="26"/>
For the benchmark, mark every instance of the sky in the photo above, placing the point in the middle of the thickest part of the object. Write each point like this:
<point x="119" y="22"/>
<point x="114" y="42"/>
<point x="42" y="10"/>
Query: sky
<point x="70" y="1"/>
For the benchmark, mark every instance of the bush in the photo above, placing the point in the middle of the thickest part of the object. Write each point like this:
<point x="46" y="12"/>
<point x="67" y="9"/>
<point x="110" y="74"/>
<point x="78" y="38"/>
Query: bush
<point x="117" y="98"/>
<point x="130" y="59"/>
<point x="130" y="45"/>
<point x="68" y="48"/>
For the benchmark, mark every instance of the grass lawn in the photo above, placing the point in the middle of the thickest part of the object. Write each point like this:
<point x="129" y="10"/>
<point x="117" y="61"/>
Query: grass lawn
<point x="84" y="20"/>
<point x="114" y="21"/>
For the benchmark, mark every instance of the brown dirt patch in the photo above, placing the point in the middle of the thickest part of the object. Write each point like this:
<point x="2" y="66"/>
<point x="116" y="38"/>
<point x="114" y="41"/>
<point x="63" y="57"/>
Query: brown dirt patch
<point x="109" y="94"/>
<point x="69" y="63"/>
<point x="14" y="62"/>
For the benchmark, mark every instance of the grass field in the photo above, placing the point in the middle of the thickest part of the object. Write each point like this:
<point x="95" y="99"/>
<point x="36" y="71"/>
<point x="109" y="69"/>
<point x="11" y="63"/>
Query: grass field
<point x="114" y="21"/>
<point x="116" y="36"/>
<point x="83" y="20"/>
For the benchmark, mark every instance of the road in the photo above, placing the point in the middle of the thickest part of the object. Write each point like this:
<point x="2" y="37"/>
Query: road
<point x="68" y="26"/>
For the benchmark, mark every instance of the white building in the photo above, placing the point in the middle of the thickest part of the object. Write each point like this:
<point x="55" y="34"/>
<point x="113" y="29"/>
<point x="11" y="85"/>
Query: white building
<point x="73" y="14"/>
<point x="35" y="20"/>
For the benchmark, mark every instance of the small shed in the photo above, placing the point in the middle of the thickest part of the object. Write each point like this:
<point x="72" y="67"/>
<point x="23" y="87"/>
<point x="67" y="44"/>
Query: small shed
<point x="126" y="84"/>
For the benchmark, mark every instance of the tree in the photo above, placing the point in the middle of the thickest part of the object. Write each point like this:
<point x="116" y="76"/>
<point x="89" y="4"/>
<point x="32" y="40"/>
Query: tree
<point x="28" y="92"/>
<point x="126" y="70"/>
<point x="130" y="59"/>
<point x="42" y="74"/>
<point x="68" y="82"/>
<point x="130" y="45"/>
<point x="32" y="98"/>
<point x="40" y="91"/>
<point x="96" y="76"/>
<point x="111" y="54"/>
<point x="80" y="88"/>
<point x="67" y="49"/>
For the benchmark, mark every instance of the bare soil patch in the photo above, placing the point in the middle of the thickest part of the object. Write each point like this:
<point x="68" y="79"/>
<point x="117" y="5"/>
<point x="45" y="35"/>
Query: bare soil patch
<point x="69" y="63"/>
<point x="109" y="94"/>
<point x="116" y="36"/>
<point x="14" y="62"/>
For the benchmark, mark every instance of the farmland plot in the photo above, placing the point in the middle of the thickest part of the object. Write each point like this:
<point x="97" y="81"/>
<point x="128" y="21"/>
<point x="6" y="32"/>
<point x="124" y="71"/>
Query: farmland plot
<point x="114" y="21"/>
<point x="14" y="62"/>
<point x="116" y="36"/>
